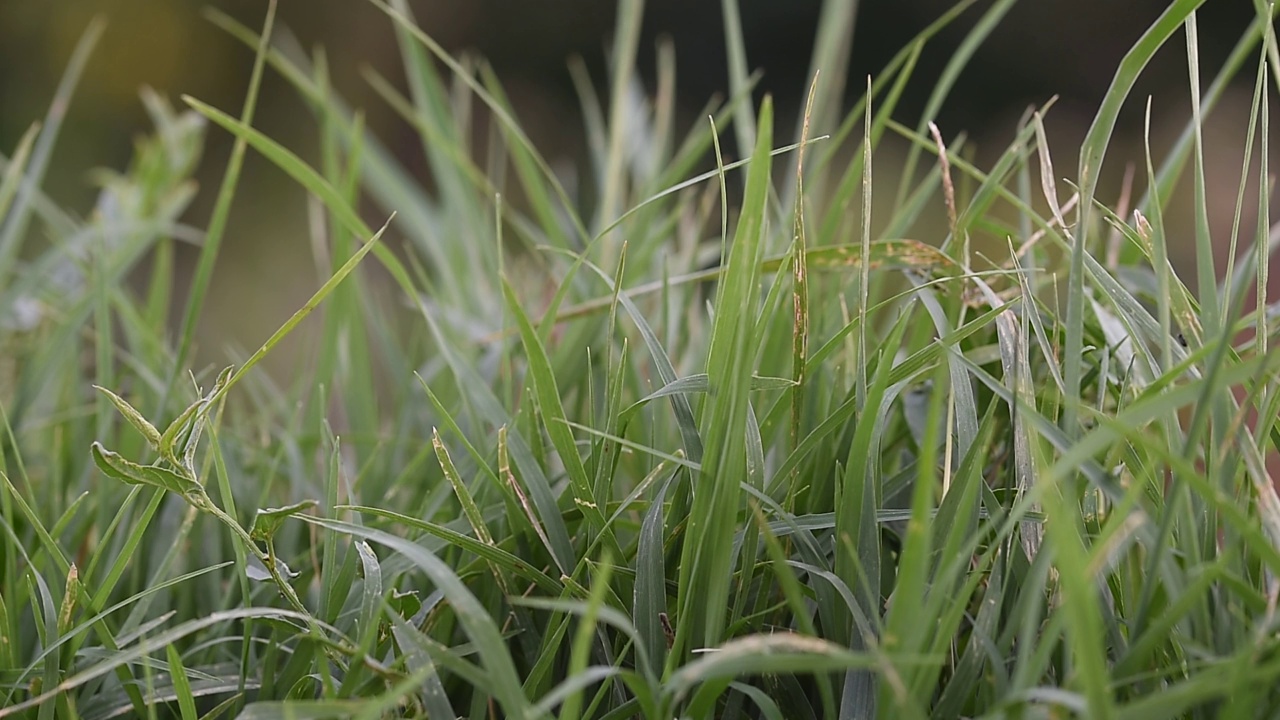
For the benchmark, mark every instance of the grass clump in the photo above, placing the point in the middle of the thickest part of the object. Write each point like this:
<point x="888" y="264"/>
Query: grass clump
<point x="848" y="471"/>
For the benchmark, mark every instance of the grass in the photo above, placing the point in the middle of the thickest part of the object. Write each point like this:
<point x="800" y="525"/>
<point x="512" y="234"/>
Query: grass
<point x="854" y="469"/>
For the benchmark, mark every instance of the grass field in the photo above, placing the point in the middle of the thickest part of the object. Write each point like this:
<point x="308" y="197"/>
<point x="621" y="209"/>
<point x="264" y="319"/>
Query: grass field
<point x="663" y="442"/>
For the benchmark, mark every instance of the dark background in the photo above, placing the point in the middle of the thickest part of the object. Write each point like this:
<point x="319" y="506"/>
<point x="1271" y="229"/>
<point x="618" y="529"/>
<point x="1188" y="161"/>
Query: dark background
<point x="1044" y="47"/>
<point x="1068" y="48"/>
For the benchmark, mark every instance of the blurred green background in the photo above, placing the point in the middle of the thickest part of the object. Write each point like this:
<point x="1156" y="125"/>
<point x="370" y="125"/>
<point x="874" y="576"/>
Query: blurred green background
<point x="1045" y="47"/>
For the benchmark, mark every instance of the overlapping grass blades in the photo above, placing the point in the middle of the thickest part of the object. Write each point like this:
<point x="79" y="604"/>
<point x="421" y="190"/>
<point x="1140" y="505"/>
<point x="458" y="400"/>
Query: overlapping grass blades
<point x="849" y="471"/>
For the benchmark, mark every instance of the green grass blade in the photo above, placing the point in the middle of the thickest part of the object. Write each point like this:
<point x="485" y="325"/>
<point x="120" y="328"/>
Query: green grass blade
<point x="480" y="627"/>
<point x="707" y="553"/>
<point x="222" y="208"/>
<point x="1092" y="152"/>
<point x="13" y="174"/>
<point x="548" y="394"/>
<point x="14" y="227"/>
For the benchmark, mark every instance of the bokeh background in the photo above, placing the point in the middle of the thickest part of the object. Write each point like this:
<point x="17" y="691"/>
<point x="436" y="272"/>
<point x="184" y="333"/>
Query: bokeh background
<point x="1044" y="47"/>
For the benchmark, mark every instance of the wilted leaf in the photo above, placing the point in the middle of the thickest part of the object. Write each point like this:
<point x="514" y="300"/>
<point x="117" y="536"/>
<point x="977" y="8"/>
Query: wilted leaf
<point x="114" y="465"/>
<point x="892" y="253"/>
<point x="69" y="600"/>
<point x="406" y="604"/>
<point x="258" y="572"/>
<point x="180" y="439"/>
<point x="267" y="522"/>
<point x="134" y="417"/>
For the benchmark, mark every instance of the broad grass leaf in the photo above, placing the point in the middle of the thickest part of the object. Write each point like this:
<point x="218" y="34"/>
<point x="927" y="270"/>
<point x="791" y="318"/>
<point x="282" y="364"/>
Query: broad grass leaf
<point x="179" y="442"/>
<point x="268" y="521"/>
<point x="756" y="654"/>
<point x="114" y="465"/>
<point x="135" y="418"/>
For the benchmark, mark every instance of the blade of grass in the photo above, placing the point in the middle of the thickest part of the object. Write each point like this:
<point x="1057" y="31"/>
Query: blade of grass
<point x="707" y="552"/>
<point x="17" y="218"/>
<point x="479" y="626"/>
<point x="548" y="395"/>
<point x="1092" y="152"/>
<point x="221" y="211"/>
